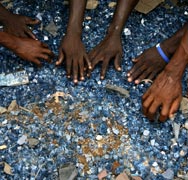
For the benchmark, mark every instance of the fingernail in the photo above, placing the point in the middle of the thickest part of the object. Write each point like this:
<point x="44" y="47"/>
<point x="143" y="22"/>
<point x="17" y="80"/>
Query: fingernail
<point x="75" y="81"/>
<point x="129" y="79"/>
<point x="68" y="76"/>
<point x="119" y="69"/>
<point x="133" y="59"/>
<point x="81" y="78"/>
<point x="128" y="74"/>
<point x="136" y="81"/>
<point x="102" y="77"/>
<point x="90" y="67"/>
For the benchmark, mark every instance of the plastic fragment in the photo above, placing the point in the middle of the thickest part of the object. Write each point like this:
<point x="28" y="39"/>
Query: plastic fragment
<point x="92" y="4"/>
<point x="13" y="106"/>
<point x="2" y="110"/>
<point x="51" y="28"/>
<point x="122" y="176"/>
<point x="3" y="147"/>
<point x="168" y="174"/>
<point x="33" y="142"/>
<point x="68" y="172"/>
<point x="22" y="140"/>
<point x="102" y="174"/>
<point x="7" y="169"/>
<point x="14" y="79"/>
<point x="118" y="89"/>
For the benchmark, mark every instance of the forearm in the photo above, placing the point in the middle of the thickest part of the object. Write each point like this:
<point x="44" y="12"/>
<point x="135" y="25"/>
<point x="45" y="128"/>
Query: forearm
<point x="175" y="40"/>
<point x="3" y="13"/>
<point x="179" y="60"/>
<point x="122" y="12"/>
<point x="76" y="16"/>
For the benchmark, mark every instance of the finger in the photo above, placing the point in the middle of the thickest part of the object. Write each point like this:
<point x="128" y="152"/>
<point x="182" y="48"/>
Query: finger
<point x="95" y="61"/>
<point x="138" y="58"/>
<point x="134" y="69"/>
<point x="45" y="57"/>
<point x="30" y="34"/>
<point x="69" y="66"/>
<point x="138" y="72"/>
<point x="87" y="61"/>
<point x="146" y="104"/>
<point x="117" y="62"/>
<point x="30" y="21"/>
<point x="144" y="75"/>
<point x="174" y="107"/>
<point x="75" y="71"/>
<point x="154" y="106"/>
<point x="44" y="45"/>
<point x="92" y="54"/>
<point x="104" y="67"/>
<point x="81" y="68"/>
<point x="136" y="65"/>
<point x="164" y="112"/>
<point x="151" y="76"/>
<point x="60" y="58"/>
<point x="37" y="62"/>
<point x="48" y="52"/>
<point x="146" y="94"/>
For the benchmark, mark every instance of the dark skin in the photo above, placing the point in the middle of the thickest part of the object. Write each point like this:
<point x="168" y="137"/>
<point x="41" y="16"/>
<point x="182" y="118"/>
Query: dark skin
<point x="20" y="39"/>
<point x="17" y="24"/>
<point x="166" y="91"/>
<point x="26" y="48"/>
<point x="111" y="48"/>
<point x="150" y="63"/>
<point x="71" y="49"/>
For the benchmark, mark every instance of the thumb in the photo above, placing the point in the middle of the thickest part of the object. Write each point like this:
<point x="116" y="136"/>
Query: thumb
<point x="60" y="58"/>
<point x="174" y="107"/>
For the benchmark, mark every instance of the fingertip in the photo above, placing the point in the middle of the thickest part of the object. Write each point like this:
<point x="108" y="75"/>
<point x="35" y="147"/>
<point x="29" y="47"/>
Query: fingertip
<point x="134" y="60"/>
<point x="137" y="81"/>
<point x="82" y="78"/>
<point x="119" y="68"/>
<point x="75" y="81"/>
<point x="102" y="77"/>
<point x="129" y="79"/>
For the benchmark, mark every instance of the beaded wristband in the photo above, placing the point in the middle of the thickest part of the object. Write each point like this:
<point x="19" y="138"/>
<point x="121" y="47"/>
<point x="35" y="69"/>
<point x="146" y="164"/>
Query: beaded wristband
<point x="162" y="54"/>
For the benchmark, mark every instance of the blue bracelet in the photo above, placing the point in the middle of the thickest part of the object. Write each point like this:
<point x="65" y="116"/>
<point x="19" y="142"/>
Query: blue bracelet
<point x="162" y="54"/>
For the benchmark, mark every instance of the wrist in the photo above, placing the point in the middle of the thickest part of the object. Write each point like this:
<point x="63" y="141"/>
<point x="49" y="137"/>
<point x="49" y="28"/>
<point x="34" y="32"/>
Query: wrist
<point x="114" y="31"/>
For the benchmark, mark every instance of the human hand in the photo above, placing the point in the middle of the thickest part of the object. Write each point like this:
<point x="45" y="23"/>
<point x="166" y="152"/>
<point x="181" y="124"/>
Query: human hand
<point x="73" y="52"/>
<point x="18" y="25"/>
<point x="164" y="94"/>
<point x="30" y="50"/>
<point x="108" y="49"/>
<point x="147" y="66"/>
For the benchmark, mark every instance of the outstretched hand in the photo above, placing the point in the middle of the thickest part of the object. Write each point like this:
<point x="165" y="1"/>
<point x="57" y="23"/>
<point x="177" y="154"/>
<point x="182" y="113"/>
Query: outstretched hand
<point x="109" y="49"/>
<point x="18" y="25"/>
<point x="73" y="52"/>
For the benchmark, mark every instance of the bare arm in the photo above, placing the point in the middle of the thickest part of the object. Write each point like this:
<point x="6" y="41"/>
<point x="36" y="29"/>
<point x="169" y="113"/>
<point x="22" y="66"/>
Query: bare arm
<point x="111" y="47"/>
<point x="72" y="49"/>
<point x="122" y="12"/>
